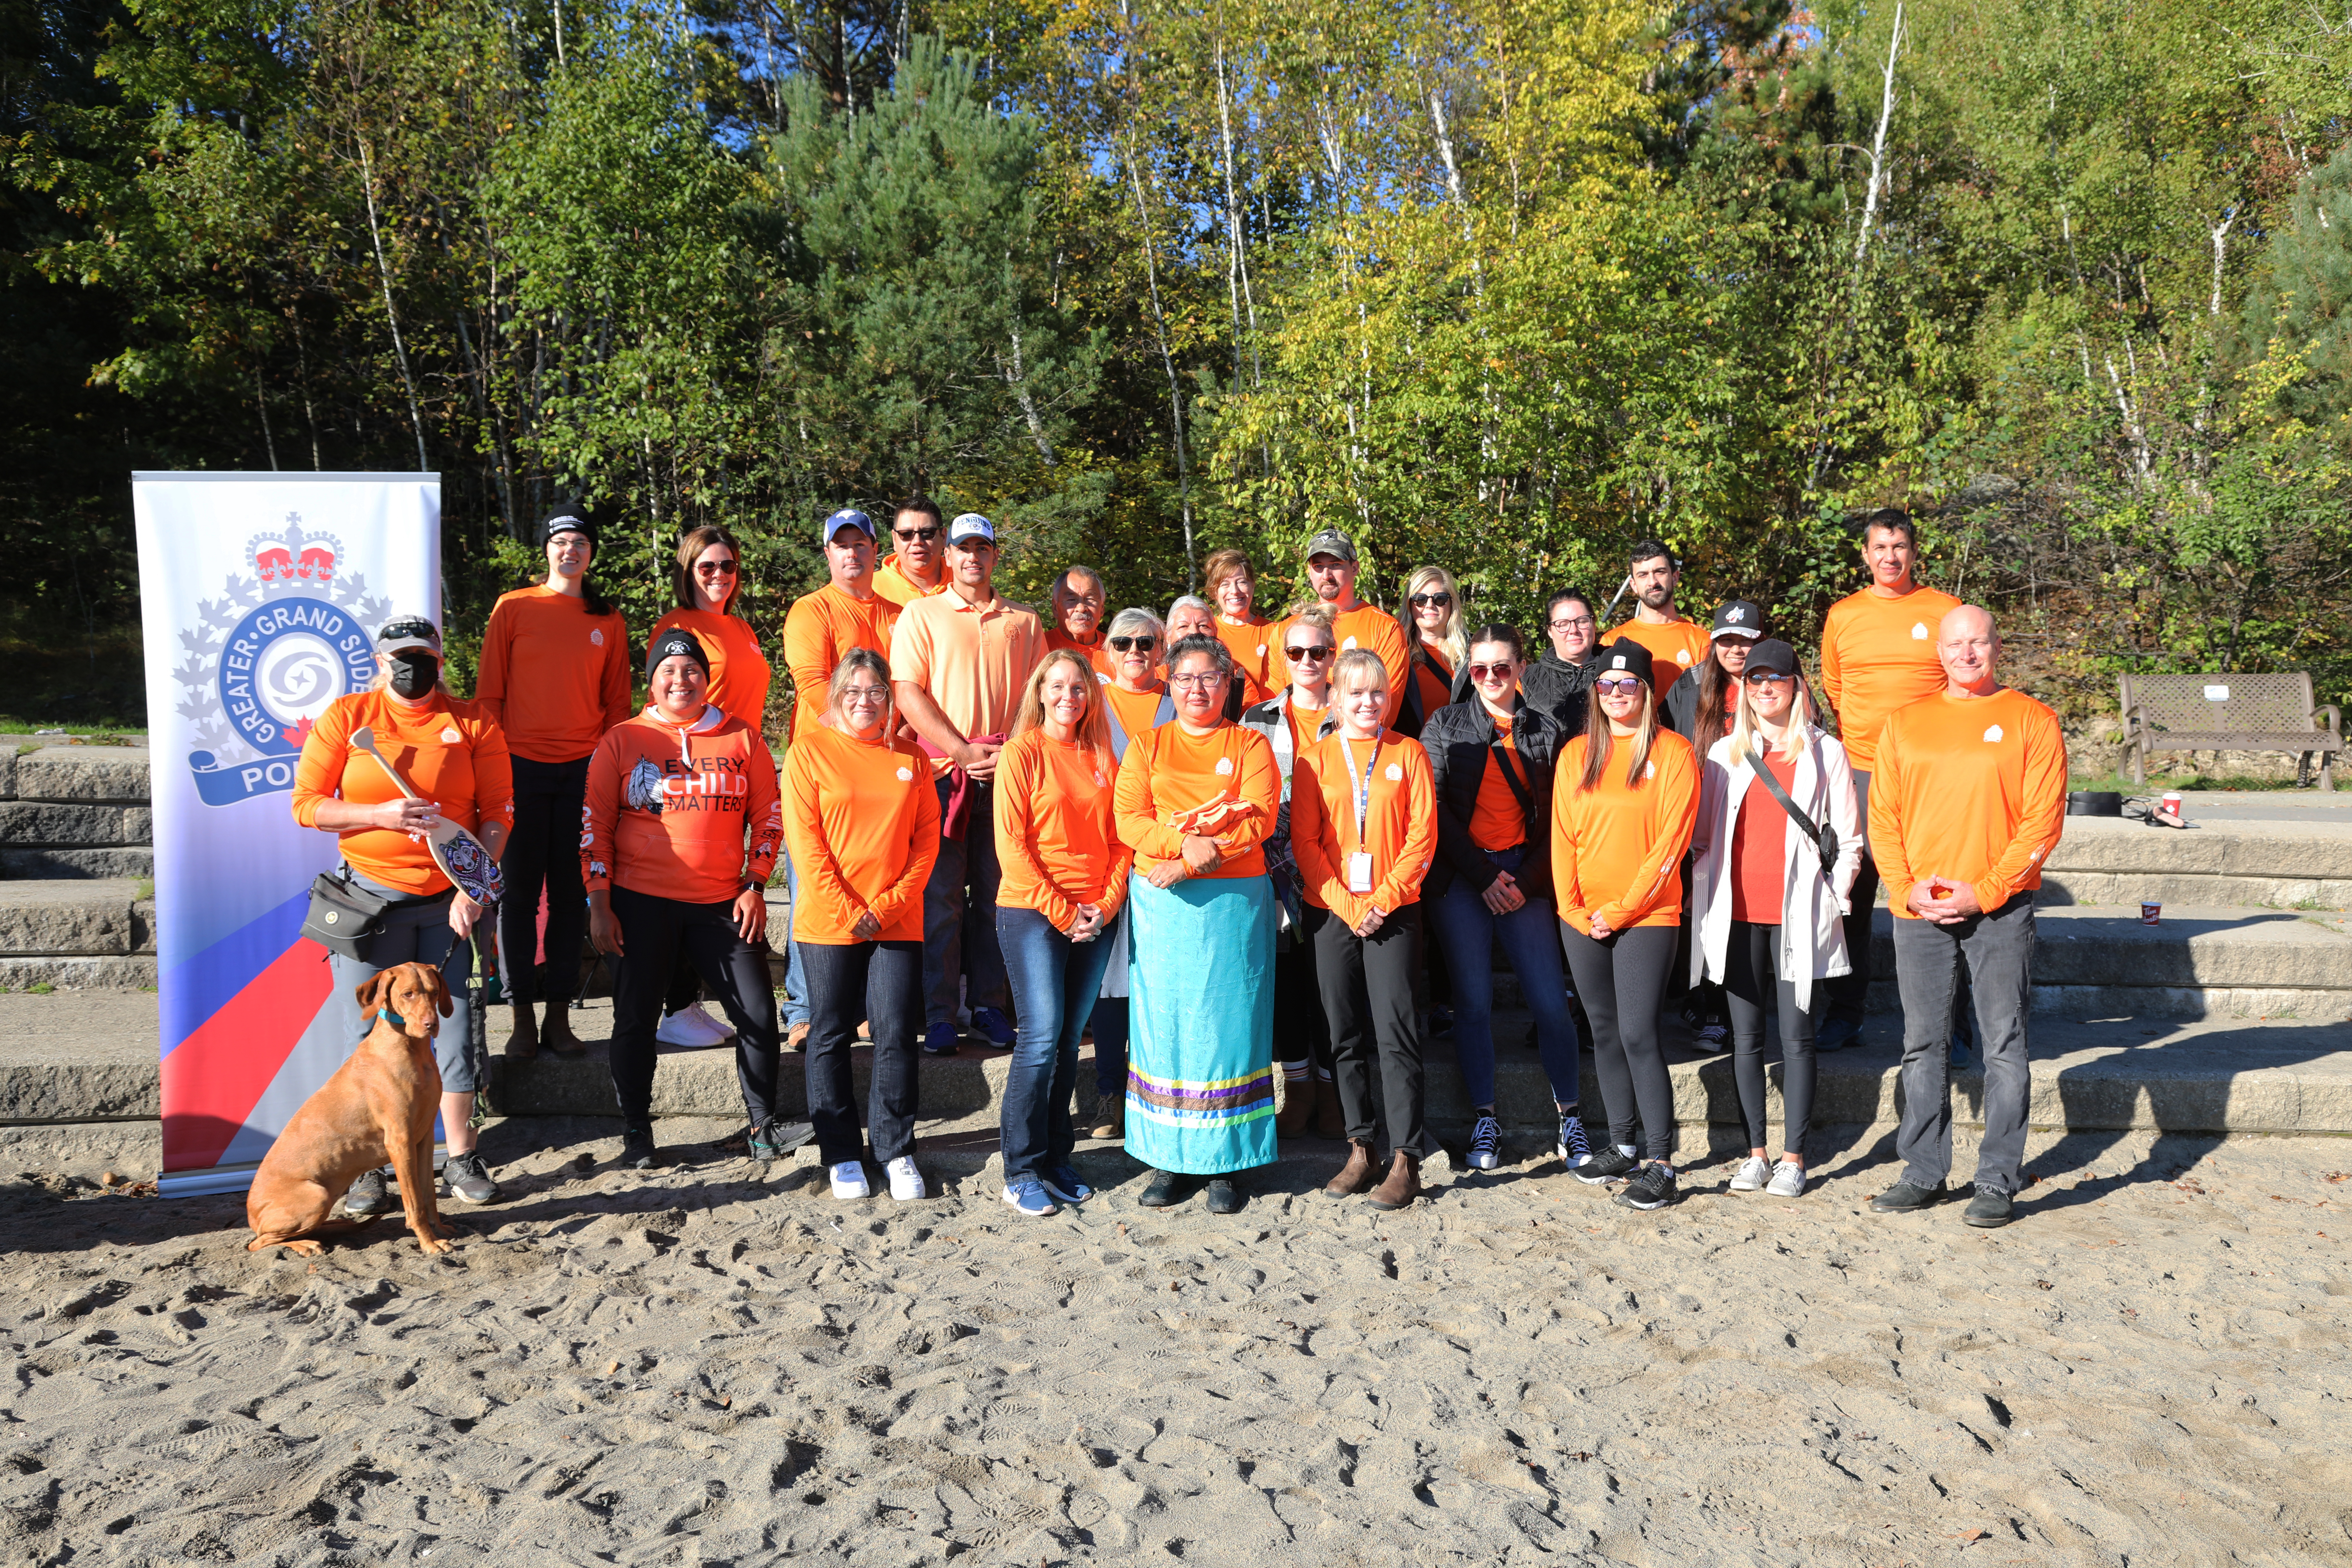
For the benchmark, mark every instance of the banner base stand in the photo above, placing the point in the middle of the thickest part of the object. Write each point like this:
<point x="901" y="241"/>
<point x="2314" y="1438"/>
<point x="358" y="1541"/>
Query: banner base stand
<point x="234" y="1178"/>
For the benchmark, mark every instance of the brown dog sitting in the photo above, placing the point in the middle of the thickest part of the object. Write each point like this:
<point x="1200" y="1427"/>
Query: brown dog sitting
<point x="379" y="1106"/>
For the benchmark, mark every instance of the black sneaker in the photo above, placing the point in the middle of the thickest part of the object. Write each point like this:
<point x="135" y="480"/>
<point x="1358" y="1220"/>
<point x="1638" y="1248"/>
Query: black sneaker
<point x="1653" y="1189"/>
<point x="369" y="1195"/>
<point x="773" y="1139"/>
<point x="1990" y="1209"/>
<point x="1712" y="1037"/>
<point x="1224" y="1197"/>
<point x="637" y="1150"/>
<point x="1164" y="1189"/>
<point x="468" y="1178"/>
<point x="1903" y="1197"/>
<point x="1610" y="1164"/>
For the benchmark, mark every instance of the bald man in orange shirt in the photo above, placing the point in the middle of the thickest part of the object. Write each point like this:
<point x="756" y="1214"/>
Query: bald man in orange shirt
<point x="1969" y="799"/>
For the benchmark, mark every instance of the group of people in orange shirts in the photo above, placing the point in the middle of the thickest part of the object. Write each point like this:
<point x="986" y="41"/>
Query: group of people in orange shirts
<point x="1255" y="855"/>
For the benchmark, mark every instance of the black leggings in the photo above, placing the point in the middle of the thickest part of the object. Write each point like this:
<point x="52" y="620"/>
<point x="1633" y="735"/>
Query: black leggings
<point x="1624" y="983"/>
<point x="544" y="851"/>
<point x="656" y="933"/>
<point x="1748" y="986"/>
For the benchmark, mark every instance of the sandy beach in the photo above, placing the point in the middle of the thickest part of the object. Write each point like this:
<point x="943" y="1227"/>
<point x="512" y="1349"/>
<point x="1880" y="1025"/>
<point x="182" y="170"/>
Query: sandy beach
<point x="719" y="1365"/>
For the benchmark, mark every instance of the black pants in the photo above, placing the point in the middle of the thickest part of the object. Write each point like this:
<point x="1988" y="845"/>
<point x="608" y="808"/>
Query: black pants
<point x="881" y="982"/>
<point x="685" y="987"/>
<point x="654" y="933"/>
<point x="1624" y="983"/>
<point x="543" y="851"/>
<point x="1750" y="986"/>
<point x="1301" y="1034"/>
<point x="1849" y="994"/>
<point x="1367" y="987"/>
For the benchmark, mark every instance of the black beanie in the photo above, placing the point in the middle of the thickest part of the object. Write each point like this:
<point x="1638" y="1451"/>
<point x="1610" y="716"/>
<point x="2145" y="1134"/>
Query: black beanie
<point x="567" y="519"/>
<point x="669" y="644"/>
<point x="1629" y="657"/>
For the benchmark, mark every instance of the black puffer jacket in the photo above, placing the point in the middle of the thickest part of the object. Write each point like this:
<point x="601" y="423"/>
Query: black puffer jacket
<point x="1561" y="689"/>
<point x="1460" y="740"/>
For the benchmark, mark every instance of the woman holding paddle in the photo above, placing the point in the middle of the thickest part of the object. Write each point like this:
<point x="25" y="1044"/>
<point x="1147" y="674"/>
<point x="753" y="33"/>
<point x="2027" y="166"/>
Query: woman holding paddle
<point x="454" y="756"/>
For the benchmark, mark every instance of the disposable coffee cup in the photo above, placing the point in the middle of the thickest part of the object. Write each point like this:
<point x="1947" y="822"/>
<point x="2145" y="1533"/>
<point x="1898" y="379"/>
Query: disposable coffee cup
<point x="2149" y="911"/>
<point x="2173" y="803"/>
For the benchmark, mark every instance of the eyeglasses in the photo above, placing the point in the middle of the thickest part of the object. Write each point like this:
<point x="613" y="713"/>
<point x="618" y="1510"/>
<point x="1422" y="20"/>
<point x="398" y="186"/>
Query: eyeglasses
<point x="865" y="694"/>
<point x="1503" y="671"/>
<point x="1431" y="601"/>
<point x="1200" y="682"/>
<point x="1571" y="623"/>
<point x="1138" y="645"/>
<point x="1766" y="677"/>
<point x="1301" y="654"/>
<point x="714" y="568"/>
<point x="1625" y="687"/>
<point x="910" y="536"/>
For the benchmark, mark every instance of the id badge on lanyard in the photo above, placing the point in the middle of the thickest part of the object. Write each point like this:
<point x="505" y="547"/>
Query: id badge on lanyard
<point x="1360" y="864"/>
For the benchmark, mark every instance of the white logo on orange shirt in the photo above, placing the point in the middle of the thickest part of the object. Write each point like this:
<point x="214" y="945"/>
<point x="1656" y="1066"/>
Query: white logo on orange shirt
<point x="450" y="737"/>
<point x="1224" y="764"/>
<point x="1918" y="631"/>
<point x="905" y="775"/>
<point x="1350" y="643"/>
<point x="1993" y="733"/>
<point x="1396" y="774"/>
<point x="596" y="637"/>
<point x="1682" y="655"/>
<point x="1649" y="770"/>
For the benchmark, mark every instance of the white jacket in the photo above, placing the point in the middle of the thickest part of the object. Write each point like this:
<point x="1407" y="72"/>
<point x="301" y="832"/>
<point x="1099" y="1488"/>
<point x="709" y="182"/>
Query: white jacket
<point x="1812" y="906"/>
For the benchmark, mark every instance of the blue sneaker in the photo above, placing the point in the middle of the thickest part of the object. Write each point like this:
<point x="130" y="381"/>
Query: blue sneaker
<point x="1064" y="1184"/>
<point x="994" y="1028"/>
<point x="1029" y="1196"/>
<point x="1962" y="1055"/>
<point x="939" y="1040"/>
<point x="1836" y="1034"/>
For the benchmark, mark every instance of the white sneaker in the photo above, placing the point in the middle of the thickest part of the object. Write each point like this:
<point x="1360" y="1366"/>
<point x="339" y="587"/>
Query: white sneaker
<point x="1484" y="1137"/>
<point x="906" y="1182"/>
<point x="1751" y="1175"/>
<point x="849" y="1181"/>
<point x="1787" y="1180"/>
<point x="693" y="1029"/>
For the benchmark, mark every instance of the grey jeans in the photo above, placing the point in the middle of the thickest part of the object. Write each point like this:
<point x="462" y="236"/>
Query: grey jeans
<point x="417" y="933"/>
<point x="1999" y="949"/>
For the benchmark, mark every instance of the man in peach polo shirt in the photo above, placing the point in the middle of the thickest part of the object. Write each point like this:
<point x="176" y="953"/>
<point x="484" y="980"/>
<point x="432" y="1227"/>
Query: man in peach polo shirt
<point x="1970" y="799"/>
<point x="913" y="568"/>
<point x="958" y="660"/>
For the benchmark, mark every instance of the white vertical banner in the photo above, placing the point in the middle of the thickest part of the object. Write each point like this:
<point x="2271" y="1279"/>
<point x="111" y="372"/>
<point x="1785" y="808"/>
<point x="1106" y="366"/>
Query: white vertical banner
<point x="259" y="597"/>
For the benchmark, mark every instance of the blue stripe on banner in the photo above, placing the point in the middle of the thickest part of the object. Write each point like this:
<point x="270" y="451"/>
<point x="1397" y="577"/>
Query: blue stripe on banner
<point x="190" y="993"/>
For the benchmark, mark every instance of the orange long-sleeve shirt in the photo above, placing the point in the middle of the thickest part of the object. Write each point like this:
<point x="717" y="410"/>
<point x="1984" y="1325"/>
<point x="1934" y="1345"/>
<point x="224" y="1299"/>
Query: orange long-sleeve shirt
<point x="1878" y="654"/>
<point x="450" y="749"/>
<point x="819" y="629"/>
<point x="740" y="671"/>
<point x="1674" y="646"/>
<point x="1136" y="710"/>
<point x="554" y="677"/>
<point x="1617" y="850"/>
<point x="1400" y="822"/>
<point x="1969" y="790"/>
<point x="681" y="811"/>
<point x="863" y="819"/>
<point x="1170" y="769"/>
<point x="1252" y="644"/>
<point x="1096" y="654"/>
<point x="1056" y="836"/>
<point x="1366" y="626"/>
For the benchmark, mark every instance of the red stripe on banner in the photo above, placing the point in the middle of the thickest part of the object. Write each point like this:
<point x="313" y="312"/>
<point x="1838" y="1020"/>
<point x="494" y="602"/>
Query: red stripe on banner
<point x="220" y="1069"/>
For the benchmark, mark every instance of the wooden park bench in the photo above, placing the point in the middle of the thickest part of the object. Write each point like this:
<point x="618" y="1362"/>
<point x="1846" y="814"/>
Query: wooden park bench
<point x="2230" y="712"/>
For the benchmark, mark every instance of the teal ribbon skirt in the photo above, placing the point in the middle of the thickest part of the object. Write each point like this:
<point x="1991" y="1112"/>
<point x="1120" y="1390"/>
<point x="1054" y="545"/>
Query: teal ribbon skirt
<point x="1199" y="1063"/>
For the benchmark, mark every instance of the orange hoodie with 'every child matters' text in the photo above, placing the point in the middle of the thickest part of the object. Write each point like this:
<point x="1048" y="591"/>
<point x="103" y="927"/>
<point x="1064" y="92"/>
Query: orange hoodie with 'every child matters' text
<point x="687" y="811"/>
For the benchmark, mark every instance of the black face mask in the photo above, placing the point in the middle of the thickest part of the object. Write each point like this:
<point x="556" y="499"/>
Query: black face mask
<point x="414" y="674"/>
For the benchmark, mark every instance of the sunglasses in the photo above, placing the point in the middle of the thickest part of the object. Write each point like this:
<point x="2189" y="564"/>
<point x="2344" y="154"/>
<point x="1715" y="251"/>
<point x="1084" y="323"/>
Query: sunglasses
<point x="1625" y="686"/>
<point x="1431" y="601"/>
<point x="1766" y="677"/>
<point x="910" y="536"/>
<point x="1301" y="654"/>
<point x="714" y="568"/>
<point x="1493" y="671"/>
<point x="1136" y="644"/>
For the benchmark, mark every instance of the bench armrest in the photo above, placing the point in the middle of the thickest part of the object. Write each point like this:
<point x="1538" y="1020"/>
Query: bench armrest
<point x="2330" y="721"/>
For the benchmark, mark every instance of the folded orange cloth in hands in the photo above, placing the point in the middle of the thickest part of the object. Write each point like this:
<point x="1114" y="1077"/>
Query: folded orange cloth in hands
<point x="1213" y="816"/>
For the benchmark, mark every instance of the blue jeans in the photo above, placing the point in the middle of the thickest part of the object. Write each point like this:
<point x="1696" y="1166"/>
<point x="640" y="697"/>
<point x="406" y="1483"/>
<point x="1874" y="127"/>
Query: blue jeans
<point x="1468" y="930"/>
<point x="1054" y="985"/>
<point x="1111" y="1030"/>
<point x="793" y="1005"/>
<point x="959" y="916"/>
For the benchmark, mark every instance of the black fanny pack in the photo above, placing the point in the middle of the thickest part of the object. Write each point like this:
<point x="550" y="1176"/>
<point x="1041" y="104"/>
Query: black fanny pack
<point x="344" y="918"/>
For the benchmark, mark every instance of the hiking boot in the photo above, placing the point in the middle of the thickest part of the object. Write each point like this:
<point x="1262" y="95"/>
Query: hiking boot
<point x="1110" y="1117"/>
<point x="1164" y="1189"/>
<point x="1224" y="1196"/>
<point x="1653" y="1189"/>
<point x="1990" y="1209"/>
<point x="369" y="1196"/>
<point x="1484" y="1137"/>
<point x="1903" y="1197"/>
<point x="1357" y="1175"/>
<point x="523" y="1043"/>
<point x="1751" y="1176"/>
<point x="555" y="1034"/>
<point x="468" y="1178"/>
<point x="1610" y="1164"/>
<point x="637" y="1150"/>
<point x="1403" y="1183"/>
<point x="773" y="1140"/>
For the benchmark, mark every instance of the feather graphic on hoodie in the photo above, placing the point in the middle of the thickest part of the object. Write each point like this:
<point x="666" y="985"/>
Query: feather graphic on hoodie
<point x="645" y="791"/>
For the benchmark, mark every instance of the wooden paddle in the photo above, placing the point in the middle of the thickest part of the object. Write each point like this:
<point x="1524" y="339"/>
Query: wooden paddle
<point x="458" y="852"/>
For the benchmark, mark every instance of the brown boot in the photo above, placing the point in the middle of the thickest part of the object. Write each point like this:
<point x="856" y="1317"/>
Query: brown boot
<point x="556" y="1033"/>
<point x="1110" y="1117"/>
<point x="523" y="1043"/>
<point x="1403" y="1183"/>
<point x="1297" y="1106"/>
<point x="1357" y="1175"/>
<point x="1330" y="1122"/>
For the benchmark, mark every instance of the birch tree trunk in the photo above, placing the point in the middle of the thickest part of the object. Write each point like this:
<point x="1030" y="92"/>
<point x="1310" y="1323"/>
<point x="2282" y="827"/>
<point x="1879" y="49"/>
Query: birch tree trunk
<point x="1878" y="142"/>
<point x="1167" y="362"/>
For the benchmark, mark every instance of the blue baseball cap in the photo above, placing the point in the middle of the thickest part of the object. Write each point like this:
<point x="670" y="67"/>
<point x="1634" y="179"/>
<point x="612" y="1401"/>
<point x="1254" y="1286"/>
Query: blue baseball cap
<point x="848" y="517"/>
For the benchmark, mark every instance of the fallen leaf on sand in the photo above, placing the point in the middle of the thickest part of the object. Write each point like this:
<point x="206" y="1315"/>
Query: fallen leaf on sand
<point x="1973" y="1535"/>
<point x="612" y="1367"/>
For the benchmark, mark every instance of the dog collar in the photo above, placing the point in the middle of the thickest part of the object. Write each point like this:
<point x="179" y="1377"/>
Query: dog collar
<point x="386" y="1014"/>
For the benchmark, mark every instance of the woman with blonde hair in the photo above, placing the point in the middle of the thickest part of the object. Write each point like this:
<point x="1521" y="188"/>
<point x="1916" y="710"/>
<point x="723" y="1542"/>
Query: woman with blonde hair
<point x="1624" y="798"/>
<point x="1065" y="881"/>
<point x="1769" y="898"/>
<point x="1436" y="647"/>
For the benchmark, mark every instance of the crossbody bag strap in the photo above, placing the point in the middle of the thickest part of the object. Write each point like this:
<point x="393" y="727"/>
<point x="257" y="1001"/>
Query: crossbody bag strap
<point x="1796" y="813"/>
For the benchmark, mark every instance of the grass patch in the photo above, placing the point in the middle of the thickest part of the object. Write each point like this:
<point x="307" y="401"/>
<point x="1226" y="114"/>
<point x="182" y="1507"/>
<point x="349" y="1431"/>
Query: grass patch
<point x="2158" y="784"/>
<point x="59" y="734"/>
<point x="41" y="988"/>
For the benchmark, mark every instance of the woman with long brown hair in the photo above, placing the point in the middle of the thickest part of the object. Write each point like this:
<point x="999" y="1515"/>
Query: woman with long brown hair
<point x="1624" y="800"/>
